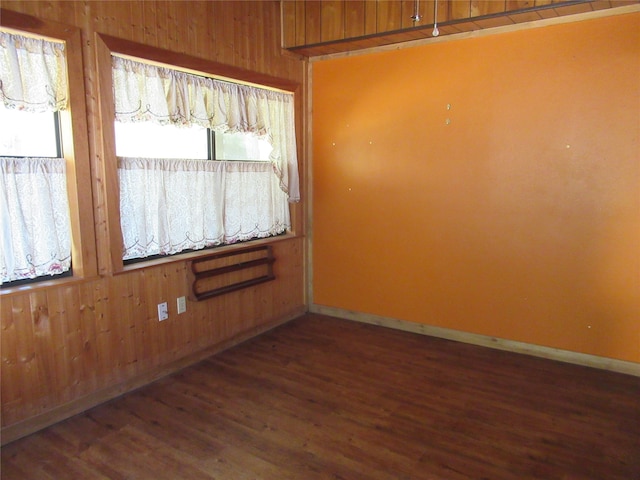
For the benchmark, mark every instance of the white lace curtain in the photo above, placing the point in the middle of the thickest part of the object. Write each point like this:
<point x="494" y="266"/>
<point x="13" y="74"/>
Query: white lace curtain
<point x="34" y="73"/>
<point x="145" y="92"/>
<point x="171" y="205"/>
<point x="168" y="206"/>
<point x="35" y="237"/>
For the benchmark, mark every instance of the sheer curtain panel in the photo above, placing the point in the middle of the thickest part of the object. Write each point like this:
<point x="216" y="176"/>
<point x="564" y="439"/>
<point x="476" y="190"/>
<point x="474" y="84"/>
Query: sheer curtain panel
<point x="35" y="232"/>
<point x="168" y="206"/>
<point x="33" y="72"/>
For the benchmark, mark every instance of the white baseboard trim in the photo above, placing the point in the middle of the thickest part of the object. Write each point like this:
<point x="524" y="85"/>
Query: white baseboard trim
<point x="602" y="363"/>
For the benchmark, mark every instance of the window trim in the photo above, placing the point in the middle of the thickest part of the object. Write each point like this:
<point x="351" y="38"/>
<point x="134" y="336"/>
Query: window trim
<point x="108" y="218"/>
<point x="74" y="136"/>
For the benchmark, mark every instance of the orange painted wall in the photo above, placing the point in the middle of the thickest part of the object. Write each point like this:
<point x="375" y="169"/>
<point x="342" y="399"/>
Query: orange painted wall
<point x="515" y="213"/>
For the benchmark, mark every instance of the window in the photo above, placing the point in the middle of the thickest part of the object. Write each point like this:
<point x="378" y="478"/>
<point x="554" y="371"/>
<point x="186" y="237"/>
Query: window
<point x="36" y="232"/>
<point x="238" y="146"/>
<point x="201" y="162"/>
<point x="149" y="140"/>
<point x="29" y="134"/>
<point x="45" y="178"/>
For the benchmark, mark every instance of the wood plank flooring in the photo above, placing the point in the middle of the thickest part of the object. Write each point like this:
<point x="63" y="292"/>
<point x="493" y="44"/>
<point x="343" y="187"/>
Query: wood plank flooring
<point x="322" y="398"/>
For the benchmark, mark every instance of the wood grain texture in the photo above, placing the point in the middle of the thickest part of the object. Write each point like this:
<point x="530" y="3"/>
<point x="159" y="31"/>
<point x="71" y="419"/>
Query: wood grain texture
<point x="389" y="14"/>
<point x="408" y="10"/>
<point x="313" y="19"/>
<point x="348" y="25"/>
<point x="459" y="10"/>
<point x="63" y="344"/>
<point x="288" y="13"/>
<point x="479" y="8"/>
<point x="354" y="26"/>
<point x="332" y="20"/>
<point x="558" y="355"/>
<point x="325" y="398"/>
<point x="63" y="341"/>
<point x="300" y="30"/>
<point x="370" y="17"/>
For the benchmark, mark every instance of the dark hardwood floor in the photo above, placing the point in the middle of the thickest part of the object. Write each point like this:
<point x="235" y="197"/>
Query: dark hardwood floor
<point x="325" y="398"/>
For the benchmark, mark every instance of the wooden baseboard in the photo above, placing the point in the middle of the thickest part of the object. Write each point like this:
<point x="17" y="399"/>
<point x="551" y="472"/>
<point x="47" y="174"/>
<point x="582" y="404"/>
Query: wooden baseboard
<point x="31" y="425"/>
<point x="603" y="363"/>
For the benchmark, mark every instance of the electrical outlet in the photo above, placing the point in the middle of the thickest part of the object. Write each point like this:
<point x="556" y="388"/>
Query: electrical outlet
<point x="182" y="304"/>
<point x="163" y="311"/>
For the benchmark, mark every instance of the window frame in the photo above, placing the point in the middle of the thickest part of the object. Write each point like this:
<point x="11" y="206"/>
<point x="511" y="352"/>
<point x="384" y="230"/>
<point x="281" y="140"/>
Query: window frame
<point x="75" y="146"/>
<point x="110" y="259"/>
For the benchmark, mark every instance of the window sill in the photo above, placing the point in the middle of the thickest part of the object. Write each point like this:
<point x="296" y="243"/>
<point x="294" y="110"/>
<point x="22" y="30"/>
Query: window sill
<point x="45" y="284"/>
<point x="72" y="281"/>
<point x="184" y="257"/>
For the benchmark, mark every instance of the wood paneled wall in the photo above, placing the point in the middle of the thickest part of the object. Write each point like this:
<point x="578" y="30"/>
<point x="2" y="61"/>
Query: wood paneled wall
<point x="67" y="342"/>
<point x="60" y="344"/>
<point x="313" y="28"/>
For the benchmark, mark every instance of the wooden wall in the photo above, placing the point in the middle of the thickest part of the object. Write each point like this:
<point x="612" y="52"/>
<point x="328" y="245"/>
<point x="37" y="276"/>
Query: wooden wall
<point x="486" y="185"/>
<point x="314" y="28"/>
<point x="72" y="343"/>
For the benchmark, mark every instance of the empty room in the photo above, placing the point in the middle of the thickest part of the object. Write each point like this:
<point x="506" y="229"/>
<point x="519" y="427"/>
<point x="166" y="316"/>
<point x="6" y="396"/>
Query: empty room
<point x="350" y="239"/>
